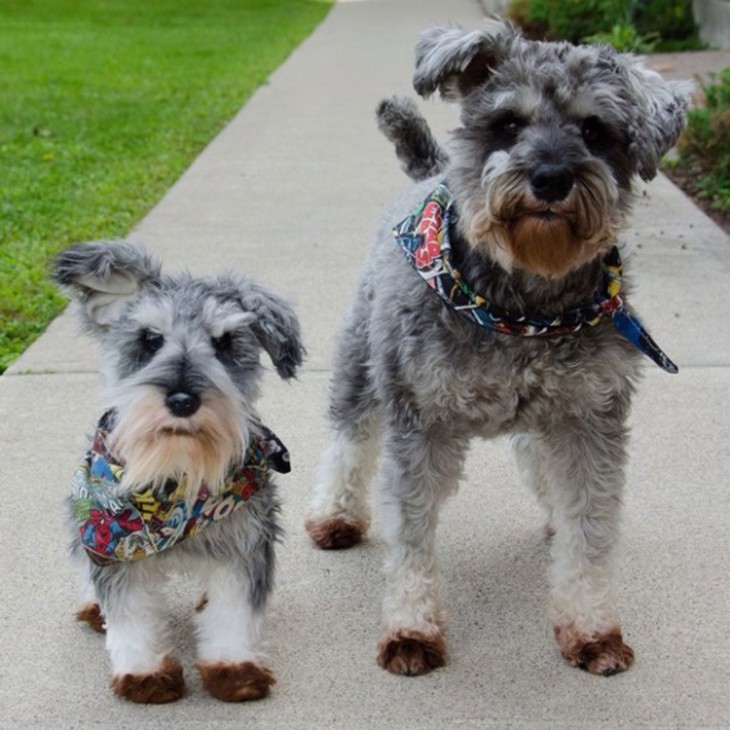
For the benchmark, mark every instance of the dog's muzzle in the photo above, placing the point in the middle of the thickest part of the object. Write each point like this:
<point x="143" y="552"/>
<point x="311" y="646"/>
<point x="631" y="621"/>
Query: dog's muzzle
<point x="181" y="404"/>
<point x="551" y="183"/>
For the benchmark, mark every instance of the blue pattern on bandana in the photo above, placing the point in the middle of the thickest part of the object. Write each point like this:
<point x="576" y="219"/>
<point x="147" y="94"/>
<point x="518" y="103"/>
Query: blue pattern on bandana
<point x="424" y="238"/>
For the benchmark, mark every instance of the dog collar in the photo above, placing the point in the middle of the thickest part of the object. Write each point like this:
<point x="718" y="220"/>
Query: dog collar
<point x="148" y="520"/>
<point x="424" y="238"/>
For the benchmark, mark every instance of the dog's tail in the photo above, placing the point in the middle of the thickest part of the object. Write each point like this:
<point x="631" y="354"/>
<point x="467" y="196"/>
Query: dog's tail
<point x="420" y="154"/>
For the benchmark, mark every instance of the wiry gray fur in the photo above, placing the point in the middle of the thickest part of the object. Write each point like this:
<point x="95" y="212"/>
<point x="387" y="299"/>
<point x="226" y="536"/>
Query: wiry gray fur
<point x="115" y="280"/>
<point x="212" y="332"/>
<point x="475" y="66"/>
<point x="110" y="279"/>
<point x="417" y="377"/>
<point x="420" y="154"/>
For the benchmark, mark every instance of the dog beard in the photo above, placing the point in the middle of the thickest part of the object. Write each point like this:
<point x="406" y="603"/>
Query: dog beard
<point x="155" y="446"/>
<point x="518" y="230"/>
<point x="543" y="244"/>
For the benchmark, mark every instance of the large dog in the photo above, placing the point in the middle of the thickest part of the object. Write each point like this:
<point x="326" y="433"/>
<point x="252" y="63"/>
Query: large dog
<point x="493" y="304"/>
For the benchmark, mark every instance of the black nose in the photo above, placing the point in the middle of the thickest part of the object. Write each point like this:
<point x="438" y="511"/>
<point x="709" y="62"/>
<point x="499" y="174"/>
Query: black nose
<point x="551" y="182"/>
<point x="182" y="404"/>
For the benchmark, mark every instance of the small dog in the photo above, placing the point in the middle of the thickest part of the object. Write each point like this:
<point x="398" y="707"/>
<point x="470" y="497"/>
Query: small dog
<point x="177" y="473"/>
<point x="492" y="304"/>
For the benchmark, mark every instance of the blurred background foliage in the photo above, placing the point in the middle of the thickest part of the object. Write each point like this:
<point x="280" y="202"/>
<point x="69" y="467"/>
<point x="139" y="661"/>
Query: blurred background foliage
<point x="629" y="25"/>
<point x="704" y="149"/>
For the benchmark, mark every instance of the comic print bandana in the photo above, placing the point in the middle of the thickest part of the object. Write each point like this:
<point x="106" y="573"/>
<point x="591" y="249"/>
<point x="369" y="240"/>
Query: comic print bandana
<point x="148" y="520"/>
<point x="424" y="238"/>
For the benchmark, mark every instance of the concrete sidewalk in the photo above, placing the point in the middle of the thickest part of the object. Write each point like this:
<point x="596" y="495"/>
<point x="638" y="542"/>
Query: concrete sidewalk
<point x="291" y="191"/>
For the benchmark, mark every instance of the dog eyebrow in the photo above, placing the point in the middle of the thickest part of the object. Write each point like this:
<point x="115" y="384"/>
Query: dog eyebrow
<point x="154" y="316"/>
<point x="523" y="101"/>
<point x="585" y="104"/>
<point x="223" y="319"/>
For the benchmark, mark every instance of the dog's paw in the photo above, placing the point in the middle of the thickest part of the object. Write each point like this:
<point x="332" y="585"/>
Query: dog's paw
<point x="411" y="653"/>
<point x="91" y="614"/>
<point x="604" y="654"/>
<point x="164" y="685"/>
<point x="335" y="533"/>
<point x="236" y="682"/>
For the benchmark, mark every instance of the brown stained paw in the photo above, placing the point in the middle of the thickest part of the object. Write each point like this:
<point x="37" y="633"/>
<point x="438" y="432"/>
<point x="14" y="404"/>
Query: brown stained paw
<point x="236" y="682"/>
<point x="411" y="653"/>
<point x="91" y="614"/>
<point x="335" y="533"/>
<point x="604" y="654"/>
<point x="163" y="686"/>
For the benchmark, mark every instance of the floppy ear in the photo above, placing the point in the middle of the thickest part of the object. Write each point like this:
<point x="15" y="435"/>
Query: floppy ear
<point x="275" y="324"/>
<point x="660" y="117"/>
<point x="455" y="61"/>
<point x="103" y="276"/>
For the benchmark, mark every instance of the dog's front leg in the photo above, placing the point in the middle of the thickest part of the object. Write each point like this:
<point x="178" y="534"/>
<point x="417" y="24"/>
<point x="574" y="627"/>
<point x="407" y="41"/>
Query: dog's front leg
<point x="419" y="469"/>
<point x="143" y="668"/>
<point x="585" y="473"/>
<point x="230" y="622"/>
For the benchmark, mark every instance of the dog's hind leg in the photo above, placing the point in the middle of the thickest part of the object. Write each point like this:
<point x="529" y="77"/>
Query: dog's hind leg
<point x="88" y="610"/>
<point x="143" y="668"/>
<point x="531" y="467"/>
<point x="420" y="468"/>
<point x="585" y="476"/>
<point x="339" y="511"/>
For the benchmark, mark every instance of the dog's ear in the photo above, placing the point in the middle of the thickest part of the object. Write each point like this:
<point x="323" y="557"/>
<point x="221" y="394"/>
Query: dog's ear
<point x="660" y="115"/>
<point x="455" y="61"/>
<point x="103" y="276"/>
<point x="275" y="324"/>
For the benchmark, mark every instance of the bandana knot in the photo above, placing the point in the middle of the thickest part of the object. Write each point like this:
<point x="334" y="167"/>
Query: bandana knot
<point x="153" y="519"/>
<point x="424" y="238"/>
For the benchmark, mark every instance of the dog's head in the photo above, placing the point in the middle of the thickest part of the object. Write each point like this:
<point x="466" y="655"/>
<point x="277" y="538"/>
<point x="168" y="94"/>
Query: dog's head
<point x="180" y="357"/>
<point x="552" y="135"/>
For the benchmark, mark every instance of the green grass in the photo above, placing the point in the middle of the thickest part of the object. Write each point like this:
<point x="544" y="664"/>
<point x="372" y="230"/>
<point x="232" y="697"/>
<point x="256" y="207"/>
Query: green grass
<point x="704" y="148"/>
<point x="103" y="104"/>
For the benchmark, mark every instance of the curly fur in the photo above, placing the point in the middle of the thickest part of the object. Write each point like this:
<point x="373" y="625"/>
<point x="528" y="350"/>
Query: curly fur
<point x="161" y="335"/>
<point x="416" y="373"/>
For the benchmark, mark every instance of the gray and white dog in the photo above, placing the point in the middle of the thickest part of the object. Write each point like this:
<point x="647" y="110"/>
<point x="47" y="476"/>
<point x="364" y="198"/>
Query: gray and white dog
<point x="177" y="473"/>
<point x="492" y="304"/>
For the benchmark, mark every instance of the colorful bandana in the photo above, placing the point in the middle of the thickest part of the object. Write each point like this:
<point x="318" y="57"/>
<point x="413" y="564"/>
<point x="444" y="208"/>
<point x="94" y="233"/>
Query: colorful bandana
<point x="424" y="238"/>
<point x="149" y="520"/>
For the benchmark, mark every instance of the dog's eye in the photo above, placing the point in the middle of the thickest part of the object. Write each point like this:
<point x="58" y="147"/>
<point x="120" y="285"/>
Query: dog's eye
<point x="593" y="132"/>
<point x="509" y="126"/>
<point x="222" y="343"/>
<point x="151" y="341"/>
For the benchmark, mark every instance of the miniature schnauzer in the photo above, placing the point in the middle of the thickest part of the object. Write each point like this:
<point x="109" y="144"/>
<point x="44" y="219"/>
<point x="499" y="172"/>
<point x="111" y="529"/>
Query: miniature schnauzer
<point x="493" y="304"/>
<point x="177" y="472"/>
